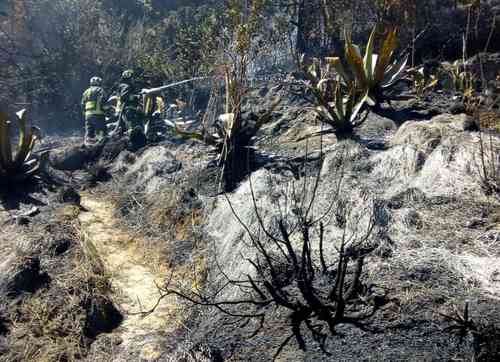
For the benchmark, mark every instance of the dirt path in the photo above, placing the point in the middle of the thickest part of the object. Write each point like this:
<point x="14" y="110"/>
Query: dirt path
<point x="132" y="279"/>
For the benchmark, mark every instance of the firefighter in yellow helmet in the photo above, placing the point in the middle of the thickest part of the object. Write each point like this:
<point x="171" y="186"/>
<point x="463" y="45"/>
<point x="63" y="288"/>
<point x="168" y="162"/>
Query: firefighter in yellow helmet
<point x="94" y="111"/>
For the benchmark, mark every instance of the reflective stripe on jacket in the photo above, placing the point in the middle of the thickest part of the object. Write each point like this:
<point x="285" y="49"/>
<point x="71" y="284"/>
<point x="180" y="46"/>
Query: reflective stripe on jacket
<point x="92" y="101"/>
<point x="153" y="104"/>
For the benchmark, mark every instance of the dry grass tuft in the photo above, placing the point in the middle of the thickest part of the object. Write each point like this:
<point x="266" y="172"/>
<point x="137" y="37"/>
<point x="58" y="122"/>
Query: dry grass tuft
<point x="489" y="120"/>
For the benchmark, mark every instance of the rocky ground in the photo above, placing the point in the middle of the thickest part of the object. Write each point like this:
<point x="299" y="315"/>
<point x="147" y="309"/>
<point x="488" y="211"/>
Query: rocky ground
<point x="84" y="256"/>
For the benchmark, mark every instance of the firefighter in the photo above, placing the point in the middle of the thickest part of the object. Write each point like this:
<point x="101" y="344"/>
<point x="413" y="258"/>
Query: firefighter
<point x="129" y="103"/>
<point x="154" y="109"/>
<point x="94" y="111"/>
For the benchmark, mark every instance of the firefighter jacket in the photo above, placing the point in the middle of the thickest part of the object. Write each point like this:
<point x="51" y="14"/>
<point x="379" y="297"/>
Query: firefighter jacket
<point x="128" y="98"/>
<point x="93" y="102"/>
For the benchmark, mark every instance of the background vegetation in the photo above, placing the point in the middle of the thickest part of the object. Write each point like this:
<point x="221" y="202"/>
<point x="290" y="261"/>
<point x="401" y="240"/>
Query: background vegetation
<point x="50" y="48"/>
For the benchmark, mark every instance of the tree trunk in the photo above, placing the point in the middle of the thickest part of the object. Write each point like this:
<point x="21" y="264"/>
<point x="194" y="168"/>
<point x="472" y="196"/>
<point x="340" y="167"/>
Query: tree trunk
<point x="301" y="39"/>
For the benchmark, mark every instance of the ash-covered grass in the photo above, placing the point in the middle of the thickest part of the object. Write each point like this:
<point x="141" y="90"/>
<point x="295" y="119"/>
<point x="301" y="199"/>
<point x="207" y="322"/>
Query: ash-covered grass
<point x="53" y="322"/>
<point x="170" y="219"/>
<point x="168" y="227"/>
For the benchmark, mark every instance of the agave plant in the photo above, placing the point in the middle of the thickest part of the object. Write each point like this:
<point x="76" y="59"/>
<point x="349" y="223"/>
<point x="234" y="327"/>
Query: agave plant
<point x="337" y="104"/>
<point x="375" y="72"/>
<point x="18" y="165"/>
<point x="344" y="113"/>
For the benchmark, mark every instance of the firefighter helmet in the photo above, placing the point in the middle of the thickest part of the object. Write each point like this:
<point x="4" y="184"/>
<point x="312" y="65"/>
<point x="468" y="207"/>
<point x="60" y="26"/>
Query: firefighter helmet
<point x="128" y="74"/>
<point x="95" y="81"/>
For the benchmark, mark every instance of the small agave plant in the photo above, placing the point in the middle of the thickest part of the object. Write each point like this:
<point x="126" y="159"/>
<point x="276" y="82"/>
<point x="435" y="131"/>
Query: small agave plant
<point x="17" y="165"/>
<point x="345" y="112"/>
<point x="375" y="72"/>
<point x="337" y="104"/>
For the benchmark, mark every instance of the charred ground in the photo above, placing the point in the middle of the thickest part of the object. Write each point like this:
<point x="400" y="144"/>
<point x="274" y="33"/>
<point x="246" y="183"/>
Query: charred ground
<point x="439" y="250"/>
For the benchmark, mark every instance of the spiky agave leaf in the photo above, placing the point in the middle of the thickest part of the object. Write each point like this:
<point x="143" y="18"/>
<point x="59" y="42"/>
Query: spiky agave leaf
<point x="350" y="102"/>
<point x="352" y="106"/>
<point x="395" y="72"/>
<point x="27" y="170"/>
<point x="5" y="146"/>
<point x="369" y="59"/>
<point x="355" y="61"/>
<point x="389" y="45"/>
<point x="328" y="115"/>
<point x="372" y="71"/>
<point x="322" y="84"/>
<point x="357" y="107"/>
<point x="341" y="114"/>
<point x="26" y="140"/>
<point x="339" y="105"/>
<point x="337" y="65"/>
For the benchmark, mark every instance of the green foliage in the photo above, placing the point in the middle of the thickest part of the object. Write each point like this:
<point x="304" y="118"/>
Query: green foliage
<point x="460" y="80"/>
<point x="421" y="82"/>
<point x="182" y="45"/>
<point x="17" y="165"/>
<point x="375" y="72"/>
<point x="337" y="105"/>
